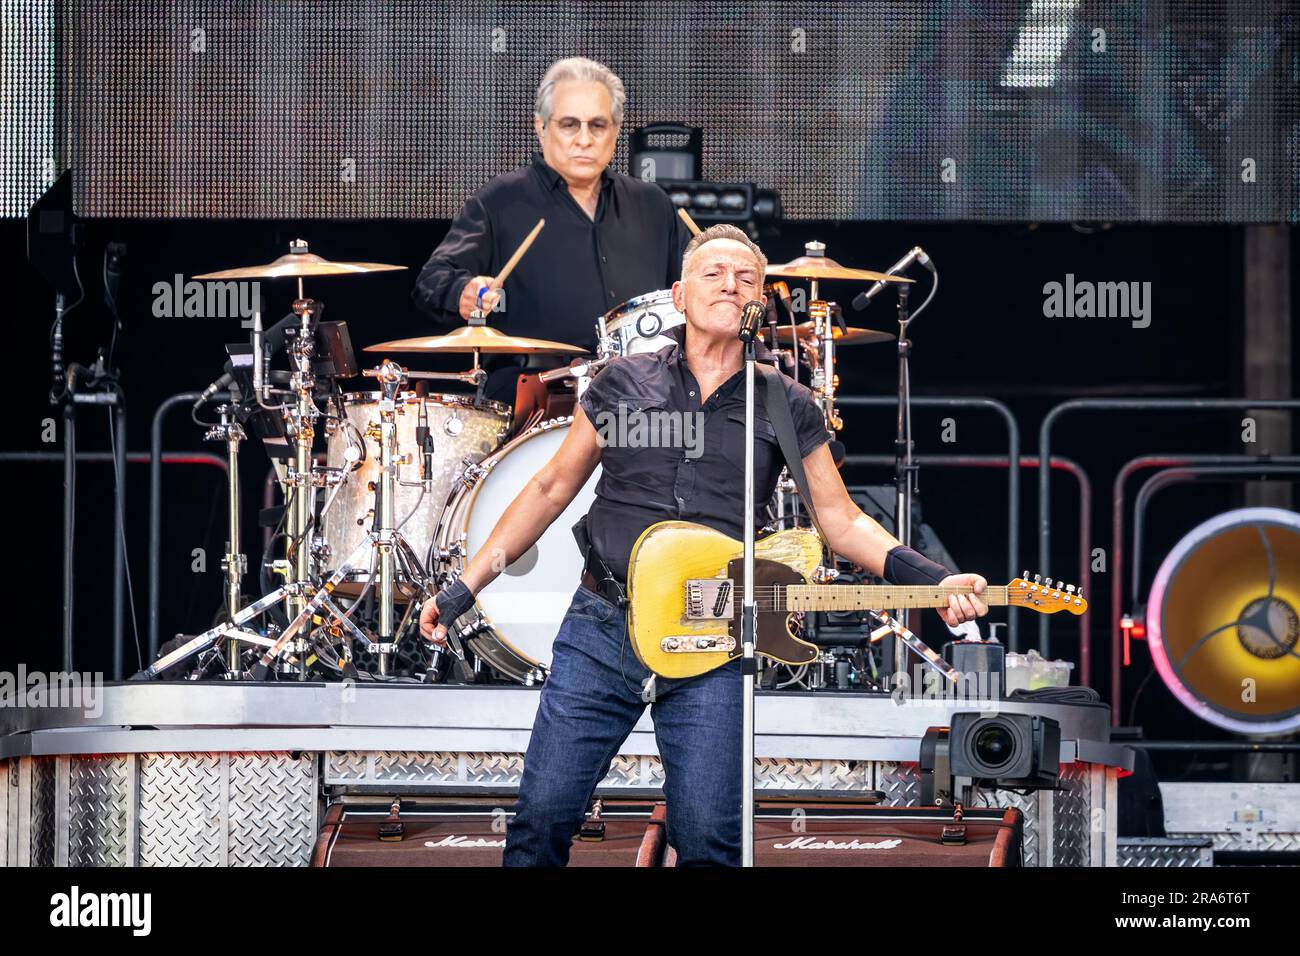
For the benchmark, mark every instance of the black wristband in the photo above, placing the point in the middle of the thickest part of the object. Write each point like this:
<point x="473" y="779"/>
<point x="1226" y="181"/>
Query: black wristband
<point x="453" y="601"/>
<point x="903" y="565"/>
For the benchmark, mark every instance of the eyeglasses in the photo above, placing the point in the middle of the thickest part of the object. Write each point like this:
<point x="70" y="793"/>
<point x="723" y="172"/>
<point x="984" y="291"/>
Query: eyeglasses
<point x="598" y="128"/>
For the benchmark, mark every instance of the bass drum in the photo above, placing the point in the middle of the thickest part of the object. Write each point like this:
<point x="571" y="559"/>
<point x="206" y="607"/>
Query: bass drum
<point x="513" y="624"/>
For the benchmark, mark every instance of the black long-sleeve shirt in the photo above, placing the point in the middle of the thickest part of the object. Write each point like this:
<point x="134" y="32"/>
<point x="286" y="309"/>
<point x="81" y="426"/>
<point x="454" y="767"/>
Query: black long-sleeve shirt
<point x="577" y="269"/>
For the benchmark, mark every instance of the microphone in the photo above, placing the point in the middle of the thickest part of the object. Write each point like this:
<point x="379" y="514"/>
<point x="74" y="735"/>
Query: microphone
<point x="216" y="386"/>
<point x="782" y="292"/>
<point x="751" y="317"/>
<point x="259" y="356"/>
<point x="915" y="254"/>
<point x="424" y="439"/>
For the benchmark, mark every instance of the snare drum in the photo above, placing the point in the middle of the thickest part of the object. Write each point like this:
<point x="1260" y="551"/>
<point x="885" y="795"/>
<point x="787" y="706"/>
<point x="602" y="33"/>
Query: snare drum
<point x="463" y="430"/>
<point x="514" y="621"/>
<point x="638" y="324"/>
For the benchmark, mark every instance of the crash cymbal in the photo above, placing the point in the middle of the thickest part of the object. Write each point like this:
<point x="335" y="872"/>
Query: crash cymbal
<point x="823" y="267"/>
<point x="477" y="338"/>
<point x="298" y="264"/>
<point x="853" y="336"/>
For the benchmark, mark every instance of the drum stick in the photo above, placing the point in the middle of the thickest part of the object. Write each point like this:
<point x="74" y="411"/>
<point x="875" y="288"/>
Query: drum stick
<point x="500" y="279"/>
<point x="690" y="223"/>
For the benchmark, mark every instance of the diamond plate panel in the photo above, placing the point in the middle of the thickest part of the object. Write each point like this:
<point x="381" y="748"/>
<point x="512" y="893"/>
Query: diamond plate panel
<point x="344" y="765"/>
<point x="1225" y="841"/>
<point x="98" y="797"/>
<point x="789" y="774"/>
<point x="1277" y="841"/>
<point x="272" y="809"/>
<point x="899" y="782"/>
<point x="181" y="809"/>
<point x="493" y="769"/>
<point x="630" y="770"/>
<point x="43" y="821"/>
<point x="406" y="766"/>
<point x="1028" y="807"/>
<point x="1072" y="817"/>
<point x="1137" y="852"/>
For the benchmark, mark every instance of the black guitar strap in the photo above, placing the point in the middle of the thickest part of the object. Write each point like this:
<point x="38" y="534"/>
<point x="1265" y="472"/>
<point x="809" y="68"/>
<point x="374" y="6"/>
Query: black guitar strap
<point x="777" y="404"/>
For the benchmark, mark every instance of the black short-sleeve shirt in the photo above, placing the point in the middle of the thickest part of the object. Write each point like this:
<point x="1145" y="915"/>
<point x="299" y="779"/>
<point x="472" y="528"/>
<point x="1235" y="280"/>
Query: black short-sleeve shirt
<point x="667" y="457"/>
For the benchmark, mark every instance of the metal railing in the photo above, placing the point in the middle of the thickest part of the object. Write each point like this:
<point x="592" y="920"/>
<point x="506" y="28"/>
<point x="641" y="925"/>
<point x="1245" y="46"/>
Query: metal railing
<point x="1013" y="474"/>
<point x="131" y="458"/>
<point x="1085" y="524"/>
<point x="1108" y="405"/>
<point x="155" y="503"/>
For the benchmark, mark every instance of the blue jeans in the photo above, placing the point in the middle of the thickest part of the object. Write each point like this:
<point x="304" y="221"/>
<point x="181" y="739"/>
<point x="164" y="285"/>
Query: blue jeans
<point x="589" y="704"/>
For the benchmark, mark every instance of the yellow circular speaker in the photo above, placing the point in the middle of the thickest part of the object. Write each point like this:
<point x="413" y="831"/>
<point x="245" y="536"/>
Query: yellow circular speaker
<point x="1222" y="621"/>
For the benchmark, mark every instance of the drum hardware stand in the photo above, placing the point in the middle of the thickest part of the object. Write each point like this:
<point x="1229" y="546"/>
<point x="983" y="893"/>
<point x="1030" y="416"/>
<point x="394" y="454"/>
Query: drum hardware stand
<point x="234" y="563"/>
<point x="390" y="546"/>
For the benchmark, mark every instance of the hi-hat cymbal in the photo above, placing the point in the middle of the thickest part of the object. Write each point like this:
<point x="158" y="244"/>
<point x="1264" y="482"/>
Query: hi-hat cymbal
<point x="477" y="338"/>
<point x="853" y="336"/>
<point x="823" y="267"/>
<point x="298" y="265"/>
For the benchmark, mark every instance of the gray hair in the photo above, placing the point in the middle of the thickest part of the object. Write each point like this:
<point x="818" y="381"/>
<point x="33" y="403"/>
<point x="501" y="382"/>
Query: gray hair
<point x="583" y="70"/>
<point x="723" y="231"/>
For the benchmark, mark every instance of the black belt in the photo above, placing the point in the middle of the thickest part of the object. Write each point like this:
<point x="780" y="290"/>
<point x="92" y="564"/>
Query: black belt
<point x="609" y="588"/>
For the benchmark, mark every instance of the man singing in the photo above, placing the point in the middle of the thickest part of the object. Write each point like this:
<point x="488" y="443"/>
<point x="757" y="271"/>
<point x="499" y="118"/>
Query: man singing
<point x="608" y="237"/>
<point x="594" y="693"/>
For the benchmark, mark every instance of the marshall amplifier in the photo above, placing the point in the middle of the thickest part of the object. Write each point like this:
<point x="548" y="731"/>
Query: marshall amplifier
<point x="838" y="834"/>
<point x="473" y="833"/>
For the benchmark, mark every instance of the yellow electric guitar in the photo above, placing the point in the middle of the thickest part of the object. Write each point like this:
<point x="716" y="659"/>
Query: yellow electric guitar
<point x="685" y="587"/>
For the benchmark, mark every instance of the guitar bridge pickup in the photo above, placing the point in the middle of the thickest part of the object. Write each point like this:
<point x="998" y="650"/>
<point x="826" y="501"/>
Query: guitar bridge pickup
<point x="697" y="643"/>
<point x="710" y="599"/>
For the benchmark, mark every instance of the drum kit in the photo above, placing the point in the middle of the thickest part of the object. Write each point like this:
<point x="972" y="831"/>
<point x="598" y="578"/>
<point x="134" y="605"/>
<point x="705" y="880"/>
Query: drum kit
<point x="389" y="491"/>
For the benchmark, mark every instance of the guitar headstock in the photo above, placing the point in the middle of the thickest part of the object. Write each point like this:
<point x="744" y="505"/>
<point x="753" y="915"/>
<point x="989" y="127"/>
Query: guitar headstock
<point x="1045" y="596"/>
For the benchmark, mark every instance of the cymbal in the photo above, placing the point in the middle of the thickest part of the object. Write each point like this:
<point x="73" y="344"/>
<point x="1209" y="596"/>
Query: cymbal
<point x="853" y="336"/>
<point x="823" y="267"/>
<point x="299" y="264"/>
<point x="476" y="338"/>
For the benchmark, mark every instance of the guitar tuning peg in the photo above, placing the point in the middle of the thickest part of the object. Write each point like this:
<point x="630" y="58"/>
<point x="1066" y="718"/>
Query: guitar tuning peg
<point x="1025" y="575"/>
<point x="1079" y="593"/>
<point x="1038" y="579"/>
<point x="1048" y="582"/>
<point x="1069" y="589"/>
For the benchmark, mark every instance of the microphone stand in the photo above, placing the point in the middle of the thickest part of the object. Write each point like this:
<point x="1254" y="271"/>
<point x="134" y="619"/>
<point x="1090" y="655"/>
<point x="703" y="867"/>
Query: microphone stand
<point x="748" y="620"/>
<point x="904" y="466"/>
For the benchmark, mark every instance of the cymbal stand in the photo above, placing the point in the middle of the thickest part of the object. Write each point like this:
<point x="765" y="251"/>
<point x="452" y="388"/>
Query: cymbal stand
<point x="234" y="563"/>
<point x="299" y="486"/>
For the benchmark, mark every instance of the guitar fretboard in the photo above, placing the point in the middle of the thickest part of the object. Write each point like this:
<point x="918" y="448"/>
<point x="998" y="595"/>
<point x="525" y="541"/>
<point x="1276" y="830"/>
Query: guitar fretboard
<point x="855" y="597"/>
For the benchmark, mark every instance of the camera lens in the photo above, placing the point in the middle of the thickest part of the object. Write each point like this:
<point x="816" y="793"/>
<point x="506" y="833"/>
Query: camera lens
<point x="994" y="745"/>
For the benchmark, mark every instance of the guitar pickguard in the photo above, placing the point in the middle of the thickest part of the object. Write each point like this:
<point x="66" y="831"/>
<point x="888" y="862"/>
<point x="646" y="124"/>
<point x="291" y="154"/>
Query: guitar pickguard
<point x="774" y="638"/>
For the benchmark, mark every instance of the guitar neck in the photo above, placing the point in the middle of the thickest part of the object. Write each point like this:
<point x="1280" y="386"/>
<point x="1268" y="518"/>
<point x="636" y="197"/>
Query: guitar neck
<point x="859" y="597"/>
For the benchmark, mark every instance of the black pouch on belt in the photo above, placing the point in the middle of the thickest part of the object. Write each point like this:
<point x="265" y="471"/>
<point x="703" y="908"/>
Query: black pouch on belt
<point x="607" y="585"/>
